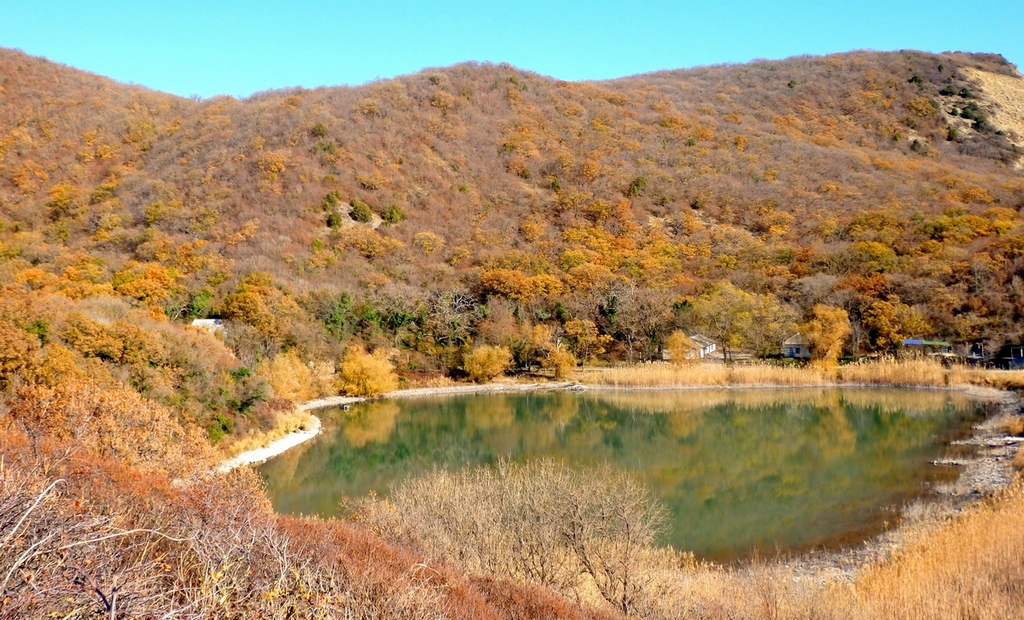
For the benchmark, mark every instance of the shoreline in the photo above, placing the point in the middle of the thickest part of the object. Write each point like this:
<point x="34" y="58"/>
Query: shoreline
<point x="277" y="447"/>
<point x="280" y="446"/>
<point x="981" y="475"/>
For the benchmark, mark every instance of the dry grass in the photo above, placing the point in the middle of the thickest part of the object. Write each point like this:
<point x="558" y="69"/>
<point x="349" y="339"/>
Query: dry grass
<point x="286" y="424"/>
<point x="918" y="372"/>
<point x="669" y="375"/>
<point x="1000" y="379"/>
<point x="427" y="380"/>
<point x="901" y="373"/>
<point x="969" y="567"/>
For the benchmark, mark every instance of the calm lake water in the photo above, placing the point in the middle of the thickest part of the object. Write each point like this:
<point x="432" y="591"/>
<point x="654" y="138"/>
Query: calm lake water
<point x="739" y="470"/>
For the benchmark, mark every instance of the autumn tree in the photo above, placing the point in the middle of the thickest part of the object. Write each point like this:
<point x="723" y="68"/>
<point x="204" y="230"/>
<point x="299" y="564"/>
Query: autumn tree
<point x="827" y="329"/>
<point x="486" y="362"/>
<point x="889" y="322"/>
<point x="289" y="377"/>
<point x="639" y="317"/>
<point x="17" y="352"/>
<point x="585" y="341"/>
<point x="736" y="319"/>
<point x="366" y="374"/>
<point x="681" y="348"/>
<point x="551" y="352"/>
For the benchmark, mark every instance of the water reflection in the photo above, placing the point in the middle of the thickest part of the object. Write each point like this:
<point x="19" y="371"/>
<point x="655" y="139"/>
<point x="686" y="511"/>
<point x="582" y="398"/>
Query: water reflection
<point x="737" y="468"/>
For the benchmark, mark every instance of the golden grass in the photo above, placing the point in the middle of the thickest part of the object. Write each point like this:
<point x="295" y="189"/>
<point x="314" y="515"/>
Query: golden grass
<point x="1000" y="379"/>
<point x="911" y="372"/>
<point x="661" y="374"/>
<point x="1014" y="427"/>
<point x="286" y="424"/>
<point x="920" y="372"/>
<point x="418" y="381"/>
<point x="971" y="568"/>
<point x="968" y="567"/>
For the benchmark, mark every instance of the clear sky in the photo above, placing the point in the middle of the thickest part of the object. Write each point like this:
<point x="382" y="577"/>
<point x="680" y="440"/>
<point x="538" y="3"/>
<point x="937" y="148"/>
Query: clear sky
<point x="238" y="47"/>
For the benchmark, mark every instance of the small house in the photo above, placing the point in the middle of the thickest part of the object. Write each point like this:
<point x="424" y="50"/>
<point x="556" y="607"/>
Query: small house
<point x="797" y="347"/>
<point x="1010" y="357"/>
<point x="933" y="348"/>
<point x="975" y="355"/>
<point x="707" y="345"/>
<point x="698" y="348"/>
<point x="211" y="325"/>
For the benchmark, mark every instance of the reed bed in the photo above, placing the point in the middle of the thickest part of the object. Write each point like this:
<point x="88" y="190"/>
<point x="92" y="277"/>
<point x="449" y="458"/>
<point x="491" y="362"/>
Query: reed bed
<point x="968" y="567"/>
<point x="917" y="372"/>
<point x="663" y="374"/>
<point x="971" y="568"/>
<point x="892" y="372"/>
<point x="1000" y="379"/>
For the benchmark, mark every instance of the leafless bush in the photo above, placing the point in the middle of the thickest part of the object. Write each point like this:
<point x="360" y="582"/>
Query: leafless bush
<point x="540" y="522"/>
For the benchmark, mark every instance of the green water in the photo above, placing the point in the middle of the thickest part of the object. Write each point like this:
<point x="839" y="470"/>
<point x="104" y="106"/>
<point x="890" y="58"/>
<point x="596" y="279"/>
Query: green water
<point x="738" y="470"/>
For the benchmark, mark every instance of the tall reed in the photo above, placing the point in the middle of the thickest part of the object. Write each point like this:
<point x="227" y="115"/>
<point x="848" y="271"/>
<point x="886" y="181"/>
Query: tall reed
<point x="885" y="371"/>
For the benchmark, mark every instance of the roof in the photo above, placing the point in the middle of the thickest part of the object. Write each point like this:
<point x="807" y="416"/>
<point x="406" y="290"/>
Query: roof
<point x="917" y="342"/>
<point x="702" y="340"/>
<point x="796" y="339"/>
<point x="209" y="324"/>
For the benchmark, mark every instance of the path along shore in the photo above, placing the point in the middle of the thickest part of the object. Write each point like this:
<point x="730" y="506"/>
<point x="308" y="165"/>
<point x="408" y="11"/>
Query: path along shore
<point x="289" y="441"/>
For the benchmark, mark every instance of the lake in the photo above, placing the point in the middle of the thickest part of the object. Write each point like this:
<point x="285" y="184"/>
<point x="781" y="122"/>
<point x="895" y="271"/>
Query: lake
<point x="739" y="470"/>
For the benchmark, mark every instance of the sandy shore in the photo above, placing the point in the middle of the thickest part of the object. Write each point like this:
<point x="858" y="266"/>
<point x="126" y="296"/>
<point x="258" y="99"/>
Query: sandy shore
<point x="261" y="455"/>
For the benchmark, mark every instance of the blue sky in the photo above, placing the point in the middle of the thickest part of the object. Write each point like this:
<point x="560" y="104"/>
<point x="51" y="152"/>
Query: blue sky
<point x="239" y="47"/>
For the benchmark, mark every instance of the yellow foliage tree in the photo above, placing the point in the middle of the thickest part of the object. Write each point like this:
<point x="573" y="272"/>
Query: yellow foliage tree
<point x="57" y="365"/>
<point x="17" y="351"/>
<point x="681" y="348"/>
<point x="288" y="376"/>
<point x="585" y="339"/>
<point x="826" y="329"/>
<point x="558" y="359"/>
<point x="487" y="362"/>
<point x="509" y="283"/>
<point x="550" y="351"/>
<point x="367" y="374"/>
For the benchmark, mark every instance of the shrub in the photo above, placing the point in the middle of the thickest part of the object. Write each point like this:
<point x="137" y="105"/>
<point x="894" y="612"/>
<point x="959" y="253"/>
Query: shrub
<point x="288" y="376"/>
<point x="486" y="362"/>
<point x="361" y="211"/>
<point x="393" y="215"/>
<point x="539" y="522"/>
<point x="331" y="201"/>
<point x="367" y="374"/>
<point x="558" y="359"/>
<point x="637" y="187"/>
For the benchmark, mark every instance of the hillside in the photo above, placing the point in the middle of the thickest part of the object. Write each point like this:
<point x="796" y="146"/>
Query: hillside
<point x="471" y="204"/>
<point x="845" y="179"/>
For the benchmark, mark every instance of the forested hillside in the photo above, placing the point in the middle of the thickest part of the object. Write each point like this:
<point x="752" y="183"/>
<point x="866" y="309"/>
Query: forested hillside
<point x="875" y="182"/>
